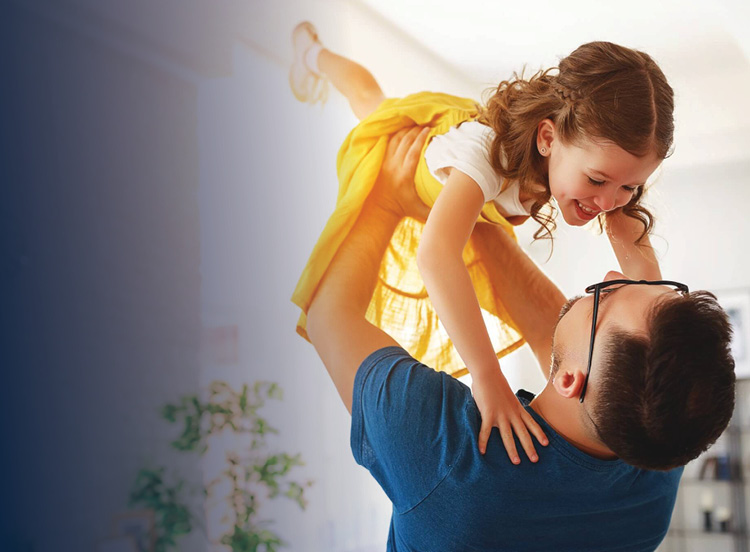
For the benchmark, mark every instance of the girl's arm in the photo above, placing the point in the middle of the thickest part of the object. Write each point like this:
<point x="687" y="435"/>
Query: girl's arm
<point x="440" y="261"/>
<point x="446" y="278"/>
<point x="637" y="262"/>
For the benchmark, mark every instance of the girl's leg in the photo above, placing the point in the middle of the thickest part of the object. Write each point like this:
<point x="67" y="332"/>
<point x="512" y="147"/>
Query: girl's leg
<point x="355" y="82"/>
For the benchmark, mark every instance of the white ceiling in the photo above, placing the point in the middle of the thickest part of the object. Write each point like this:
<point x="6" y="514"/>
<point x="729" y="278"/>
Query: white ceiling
<point x="703" y="48"/>
<point x="486" y="37"/>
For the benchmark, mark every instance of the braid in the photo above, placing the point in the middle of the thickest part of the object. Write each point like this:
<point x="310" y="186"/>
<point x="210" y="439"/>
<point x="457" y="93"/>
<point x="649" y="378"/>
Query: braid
<point x="568" y="95"/>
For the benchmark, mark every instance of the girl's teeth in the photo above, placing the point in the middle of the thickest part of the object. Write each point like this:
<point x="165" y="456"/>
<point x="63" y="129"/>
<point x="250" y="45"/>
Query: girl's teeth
<point x="586" y="209"/>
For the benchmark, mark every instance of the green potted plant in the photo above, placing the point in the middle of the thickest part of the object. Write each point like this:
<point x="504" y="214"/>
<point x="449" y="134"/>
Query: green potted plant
<point x="252" y="472"/>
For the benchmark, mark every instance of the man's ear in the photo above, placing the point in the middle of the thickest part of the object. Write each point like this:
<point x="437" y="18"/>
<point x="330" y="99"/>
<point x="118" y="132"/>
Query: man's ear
<point x="569" y="382"/>
<point x="545" y="135"/>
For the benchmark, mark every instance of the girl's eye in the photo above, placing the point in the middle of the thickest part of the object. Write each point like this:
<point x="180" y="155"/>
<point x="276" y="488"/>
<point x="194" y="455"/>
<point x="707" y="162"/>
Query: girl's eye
<point x="631" y="189"/>
<point x="596" y="182"/>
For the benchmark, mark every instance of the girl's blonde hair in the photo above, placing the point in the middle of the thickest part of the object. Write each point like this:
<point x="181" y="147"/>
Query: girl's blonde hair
<point x="601" y="91"/>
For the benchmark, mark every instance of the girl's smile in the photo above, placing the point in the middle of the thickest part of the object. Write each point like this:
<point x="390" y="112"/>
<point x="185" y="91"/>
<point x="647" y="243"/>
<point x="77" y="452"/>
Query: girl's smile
<point x="585" y="213"/>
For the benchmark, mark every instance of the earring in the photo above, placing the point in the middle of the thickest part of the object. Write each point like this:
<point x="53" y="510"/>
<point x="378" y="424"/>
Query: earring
<point x="543" y="151"/>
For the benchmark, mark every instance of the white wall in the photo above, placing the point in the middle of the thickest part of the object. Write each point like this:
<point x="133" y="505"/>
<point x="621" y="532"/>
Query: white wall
<point x="101" y="312"/>
<point x="268" y="186"/>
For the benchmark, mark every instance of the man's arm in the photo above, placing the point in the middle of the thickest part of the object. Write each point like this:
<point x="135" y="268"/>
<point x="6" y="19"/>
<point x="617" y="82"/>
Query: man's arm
<point x="336" y="321"/>
<point x="532" y="300"/>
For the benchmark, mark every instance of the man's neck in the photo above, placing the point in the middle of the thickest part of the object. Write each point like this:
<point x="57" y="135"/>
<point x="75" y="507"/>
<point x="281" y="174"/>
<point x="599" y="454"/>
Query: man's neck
<point x="564" y="416"/>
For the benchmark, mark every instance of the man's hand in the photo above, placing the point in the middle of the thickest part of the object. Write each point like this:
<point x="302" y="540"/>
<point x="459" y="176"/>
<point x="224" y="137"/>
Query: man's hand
<point x="394" y="189"/>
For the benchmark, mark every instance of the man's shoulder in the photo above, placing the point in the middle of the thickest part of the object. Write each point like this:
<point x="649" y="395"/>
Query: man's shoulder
<point x="391" y="380"/>
<point x="403" y="373"/>
<point x="409" y="424"/>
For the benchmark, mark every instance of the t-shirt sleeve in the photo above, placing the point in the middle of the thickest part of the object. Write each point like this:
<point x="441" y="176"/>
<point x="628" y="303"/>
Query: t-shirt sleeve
<point x="408" y="424"/>
<point x="465" y="148"/>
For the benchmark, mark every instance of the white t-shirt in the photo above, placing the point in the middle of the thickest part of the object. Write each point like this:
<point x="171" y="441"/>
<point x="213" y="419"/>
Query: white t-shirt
<point x="466" y="148"/>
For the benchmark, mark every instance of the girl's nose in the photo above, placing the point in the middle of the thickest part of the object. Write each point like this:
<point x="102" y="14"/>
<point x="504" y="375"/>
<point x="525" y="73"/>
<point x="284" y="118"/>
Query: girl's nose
<point x="607" y="200"/>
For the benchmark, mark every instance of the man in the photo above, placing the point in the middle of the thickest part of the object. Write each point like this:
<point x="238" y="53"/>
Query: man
<point x="626" y="405"/>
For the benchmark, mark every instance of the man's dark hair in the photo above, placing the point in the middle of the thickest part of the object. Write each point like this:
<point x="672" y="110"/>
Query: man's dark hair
<point x="665" y="398"/>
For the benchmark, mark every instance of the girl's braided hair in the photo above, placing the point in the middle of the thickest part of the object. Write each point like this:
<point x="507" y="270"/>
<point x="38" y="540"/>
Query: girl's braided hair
<point x="601" y="91"/>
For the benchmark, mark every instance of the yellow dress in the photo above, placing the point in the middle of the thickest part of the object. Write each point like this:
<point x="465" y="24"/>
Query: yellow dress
<point x="400" y="305"/>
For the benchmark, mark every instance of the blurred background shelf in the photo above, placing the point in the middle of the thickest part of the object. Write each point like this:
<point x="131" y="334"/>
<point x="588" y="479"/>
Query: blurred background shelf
<point x="716" y="478"/>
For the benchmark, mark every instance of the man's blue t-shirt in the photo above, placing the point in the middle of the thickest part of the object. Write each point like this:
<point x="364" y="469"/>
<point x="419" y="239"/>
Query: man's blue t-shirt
<point x="416" y="431"/>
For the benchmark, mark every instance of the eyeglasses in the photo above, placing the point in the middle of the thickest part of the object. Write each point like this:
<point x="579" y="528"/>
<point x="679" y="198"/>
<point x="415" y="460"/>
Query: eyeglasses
<point x="607" y="287"/>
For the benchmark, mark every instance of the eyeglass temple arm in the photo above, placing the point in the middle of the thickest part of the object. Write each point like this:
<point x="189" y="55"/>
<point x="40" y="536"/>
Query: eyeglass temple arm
<point x="591" y="342"/>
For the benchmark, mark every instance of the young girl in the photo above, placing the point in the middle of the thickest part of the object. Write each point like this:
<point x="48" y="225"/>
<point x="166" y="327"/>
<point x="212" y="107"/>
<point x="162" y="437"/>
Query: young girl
<point x="588" y="134"/>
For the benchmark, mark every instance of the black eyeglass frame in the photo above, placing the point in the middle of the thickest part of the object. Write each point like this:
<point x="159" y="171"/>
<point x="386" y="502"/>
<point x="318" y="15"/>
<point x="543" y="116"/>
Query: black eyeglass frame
<point x="596" y="289"/>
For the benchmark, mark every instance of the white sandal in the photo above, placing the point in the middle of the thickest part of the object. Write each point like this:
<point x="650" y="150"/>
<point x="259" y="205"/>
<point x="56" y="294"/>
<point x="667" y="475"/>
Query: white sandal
<point x="307" y="85"/>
